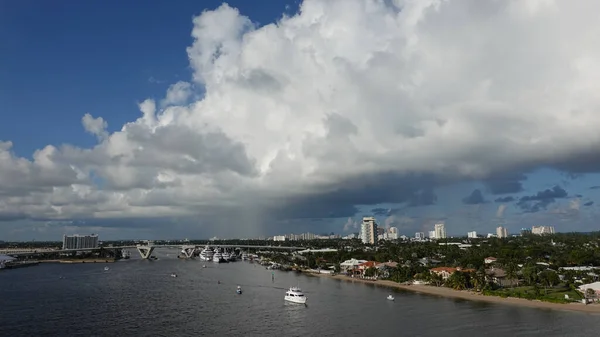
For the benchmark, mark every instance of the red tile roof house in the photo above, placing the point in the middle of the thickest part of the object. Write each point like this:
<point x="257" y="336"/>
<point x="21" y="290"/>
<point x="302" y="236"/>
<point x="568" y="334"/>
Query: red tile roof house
<point x="445" y="272"/>
<point x="366" y="265"/>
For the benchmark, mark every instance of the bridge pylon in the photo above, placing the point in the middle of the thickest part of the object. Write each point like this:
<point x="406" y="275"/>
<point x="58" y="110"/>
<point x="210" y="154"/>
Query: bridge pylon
<point x="145" y="251"/>
<point x="188" y="251"/>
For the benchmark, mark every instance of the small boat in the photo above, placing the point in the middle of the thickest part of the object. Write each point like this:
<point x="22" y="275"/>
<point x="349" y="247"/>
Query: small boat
<point x="106" y="268"/>
<point x="239" y="290"/>
<point x="173" y="275"/>
<point x="203" y="266"/>
<point x="390" y="297"/>
<point x="295" y="295"/>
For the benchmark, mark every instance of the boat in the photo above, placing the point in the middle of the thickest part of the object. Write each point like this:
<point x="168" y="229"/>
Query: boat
<point x="295" y="295"/>
<point x="218" y="256"/>
<point x="239" y="290"/>
<point x="106" y="268"/>
<point x="203" y="266"/>
<point x="173" y="275"/>
<point x="244" y="256"/>
<point x="390" y="297"/>
<point x="206" y="254"/>
<point x="126" y="254"/>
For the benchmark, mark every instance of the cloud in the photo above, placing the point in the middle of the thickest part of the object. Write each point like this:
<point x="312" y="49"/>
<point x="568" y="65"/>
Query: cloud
<point x="475" y="198"/>
<point x="95" y="126"/>
<point x="542" y="199"/>
<point x="178" y="94"/>
<point x="505" y="183"/>
<point x="505" y="199"/>
<point x="500" y="211"/>
<point x="350" y="225"/>
<point x="589" y="203"/>
<point x="346" y="103"/>
<point x="380" y="211"/>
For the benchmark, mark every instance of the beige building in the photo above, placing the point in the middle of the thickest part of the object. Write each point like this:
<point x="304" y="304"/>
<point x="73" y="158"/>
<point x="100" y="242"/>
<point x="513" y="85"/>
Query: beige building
<point x="440" y="231"/>
<point x="368" y="230"/>
<point x="501" y="232"/>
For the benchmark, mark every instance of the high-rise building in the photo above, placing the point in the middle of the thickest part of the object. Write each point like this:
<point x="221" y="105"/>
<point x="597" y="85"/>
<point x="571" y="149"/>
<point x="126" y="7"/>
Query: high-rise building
<point x="501" y="232"/>
<point x="368" y="230"/>
<point x="440" y="231"/>
<point x="525" y="231"/>
<point x="419" y="235"/>
<point x="539" y="230"/>
<point x="393" y="233"/>
<point x="432" y="234"/>
<point x="80" y="241"/>
<point x="472" y="235"/>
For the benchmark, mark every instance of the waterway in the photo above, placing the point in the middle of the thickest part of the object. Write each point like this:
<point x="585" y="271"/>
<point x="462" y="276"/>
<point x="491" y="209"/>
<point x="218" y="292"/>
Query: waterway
<point x="140" y="298"/>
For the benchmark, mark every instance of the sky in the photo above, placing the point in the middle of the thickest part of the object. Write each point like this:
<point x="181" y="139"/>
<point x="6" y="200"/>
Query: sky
<point x="200" y="119"/>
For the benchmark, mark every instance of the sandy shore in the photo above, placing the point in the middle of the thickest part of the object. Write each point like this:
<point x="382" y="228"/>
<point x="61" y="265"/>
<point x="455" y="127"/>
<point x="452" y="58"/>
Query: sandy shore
<point x="469" y="295"/>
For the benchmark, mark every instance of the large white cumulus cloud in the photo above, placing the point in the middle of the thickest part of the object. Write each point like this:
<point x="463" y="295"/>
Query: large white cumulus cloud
<point x="344" y="90"/>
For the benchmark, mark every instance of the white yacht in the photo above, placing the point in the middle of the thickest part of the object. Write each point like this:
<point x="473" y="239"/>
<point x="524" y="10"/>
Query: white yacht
<point x="206" y="254"/>
<point x="295" y="295"/>
<point x="225" y="255"/>
<point x="217" y="256"/>
<point x="244" y="256"/>
<point x="390" y="298"/>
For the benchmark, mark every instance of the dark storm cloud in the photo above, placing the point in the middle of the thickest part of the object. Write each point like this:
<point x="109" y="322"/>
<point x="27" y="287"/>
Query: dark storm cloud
<point x="505" y="183"/>
<point x="414" y="190"/>
<point x="594" y="187"/>
<point x="12" y="216"/>
<point x="422" y="197"/>
<point x="589" y="203"/>
<point x="505" y="199"/>
<point x="539" y="201"/>
<point x="380" y="211"/>
<point x="475" y="198"/>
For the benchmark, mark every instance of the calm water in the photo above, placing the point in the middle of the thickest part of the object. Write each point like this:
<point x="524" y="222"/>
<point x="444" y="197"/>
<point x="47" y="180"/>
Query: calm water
<point x="139" y="298"/>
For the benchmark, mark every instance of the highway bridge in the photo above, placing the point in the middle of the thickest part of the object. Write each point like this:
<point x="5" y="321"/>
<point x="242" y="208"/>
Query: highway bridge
<point x="144" y="250"/>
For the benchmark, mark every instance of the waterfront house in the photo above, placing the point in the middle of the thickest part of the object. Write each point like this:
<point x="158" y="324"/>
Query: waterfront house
<point x="445" y="272"/>
<point x="366" y="265"/>
<point x="498" y="276"/>
<point x="351" y="266"/>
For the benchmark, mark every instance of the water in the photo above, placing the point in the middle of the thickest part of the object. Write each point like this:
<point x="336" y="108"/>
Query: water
<point x="140" y="298"/>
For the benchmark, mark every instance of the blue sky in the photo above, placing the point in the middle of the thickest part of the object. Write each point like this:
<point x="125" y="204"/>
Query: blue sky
<point x="103" y="57"/>
<point x="63" y="59"/>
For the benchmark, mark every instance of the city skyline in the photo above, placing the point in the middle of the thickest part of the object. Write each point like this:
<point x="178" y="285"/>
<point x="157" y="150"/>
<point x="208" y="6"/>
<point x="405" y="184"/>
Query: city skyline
<point x="238" y="119"/>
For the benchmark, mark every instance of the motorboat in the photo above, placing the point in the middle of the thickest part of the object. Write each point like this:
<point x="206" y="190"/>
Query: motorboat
<point x="390" y="297"/>
<point x="206" y="254"/>
<point x="295" y="295"/>
<point x="173" y="275"/>
<point x="218" y="256"/>
<point x="106" y="268"/>
<point x="203" y="266"/>
<point x="239" y="290"/>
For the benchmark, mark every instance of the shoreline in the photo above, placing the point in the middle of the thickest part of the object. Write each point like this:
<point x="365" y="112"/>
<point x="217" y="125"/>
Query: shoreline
<point x="469" y="295"/>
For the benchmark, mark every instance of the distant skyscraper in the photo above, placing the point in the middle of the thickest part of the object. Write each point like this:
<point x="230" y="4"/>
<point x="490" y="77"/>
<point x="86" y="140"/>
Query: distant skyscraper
<point x="501" y="232"/>
<point x="393" y="233"/>
<point x="432" y="234"/>
<point x="368" y="231"/>
<point x="539" y="230"/>
<point x="440" y="231"/>
<point x="472" y="235"/>
<point x="80" y="241"/>
<point x="419" y="235"/>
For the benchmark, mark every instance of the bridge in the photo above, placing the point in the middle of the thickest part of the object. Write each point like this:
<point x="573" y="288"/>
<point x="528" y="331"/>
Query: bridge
<point x="144" y="250"/>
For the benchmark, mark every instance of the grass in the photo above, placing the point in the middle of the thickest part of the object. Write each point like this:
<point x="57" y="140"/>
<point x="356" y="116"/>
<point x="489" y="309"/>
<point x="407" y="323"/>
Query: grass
<point x="554" y="294"/>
